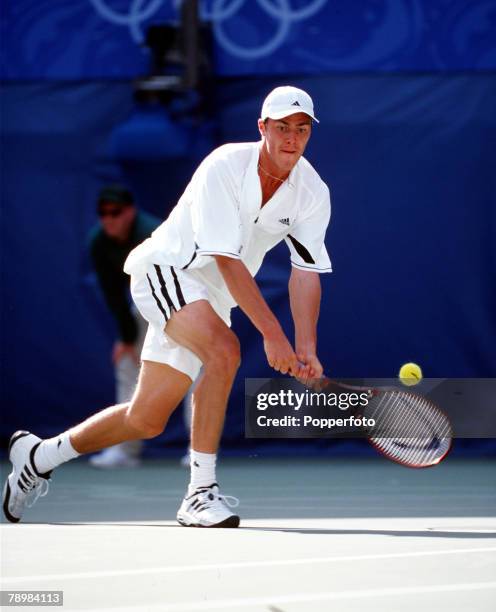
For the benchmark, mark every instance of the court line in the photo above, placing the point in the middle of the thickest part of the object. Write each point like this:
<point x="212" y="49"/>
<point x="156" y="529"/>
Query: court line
<point x="234" y="604"/>
<point x="238" y="565"/>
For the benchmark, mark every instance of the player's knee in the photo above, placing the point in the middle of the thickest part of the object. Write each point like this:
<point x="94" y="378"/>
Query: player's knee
<point x="143" y="427"/>
<point x="231" y="352"/>
<point x="225" y="355"/>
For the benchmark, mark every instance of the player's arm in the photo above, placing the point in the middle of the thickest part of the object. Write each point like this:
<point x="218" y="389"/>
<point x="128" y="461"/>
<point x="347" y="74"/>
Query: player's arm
<point x="304" y="298"/>
<point x="246" y="293"/>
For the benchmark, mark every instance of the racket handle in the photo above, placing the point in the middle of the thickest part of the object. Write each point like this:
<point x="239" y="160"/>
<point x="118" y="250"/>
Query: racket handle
<point x="302" y="365"/>
<point x="316" y="384"/>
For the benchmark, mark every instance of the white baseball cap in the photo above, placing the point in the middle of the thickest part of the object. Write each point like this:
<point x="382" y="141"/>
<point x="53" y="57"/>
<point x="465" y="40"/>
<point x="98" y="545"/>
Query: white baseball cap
<point x="285" y="101"/>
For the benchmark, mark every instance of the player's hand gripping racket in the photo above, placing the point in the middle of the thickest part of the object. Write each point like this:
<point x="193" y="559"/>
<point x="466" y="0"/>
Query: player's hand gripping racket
<point x="409" y="428"/>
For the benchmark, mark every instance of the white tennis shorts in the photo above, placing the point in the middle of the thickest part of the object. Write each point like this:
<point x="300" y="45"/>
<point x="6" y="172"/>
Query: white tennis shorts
<point x="157" y="294"/>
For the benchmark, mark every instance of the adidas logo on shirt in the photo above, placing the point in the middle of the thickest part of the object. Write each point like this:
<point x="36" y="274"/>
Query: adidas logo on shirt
<point x="284" y="221"/>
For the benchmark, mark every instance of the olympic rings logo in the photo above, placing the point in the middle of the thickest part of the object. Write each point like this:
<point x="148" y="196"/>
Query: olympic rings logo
<point x="219" y="13"/>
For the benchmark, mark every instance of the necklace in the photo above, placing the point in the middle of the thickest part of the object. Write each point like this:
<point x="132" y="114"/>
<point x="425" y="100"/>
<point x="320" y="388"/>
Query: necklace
<point x="276" y="178"/>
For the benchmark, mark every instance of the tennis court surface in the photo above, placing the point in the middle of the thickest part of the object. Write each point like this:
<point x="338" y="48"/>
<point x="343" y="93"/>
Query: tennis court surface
<point x="340" y="535"/>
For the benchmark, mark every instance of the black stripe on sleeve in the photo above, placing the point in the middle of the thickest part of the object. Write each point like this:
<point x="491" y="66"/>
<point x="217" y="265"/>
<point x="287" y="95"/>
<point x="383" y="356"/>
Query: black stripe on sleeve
<point x="192" y="259"/>
<point x="301" y="250"/>
<point x="313" y="268"/>
<point x="228" y="253"/>
<point x="179" y="293"/>
<point x="163" y="289"/>
<point x="161" y="308"/>
<point x="189" y="262"/>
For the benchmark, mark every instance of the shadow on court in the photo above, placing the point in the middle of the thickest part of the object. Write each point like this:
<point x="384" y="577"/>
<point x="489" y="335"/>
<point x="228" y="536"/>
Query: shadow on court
<point x="429" y="533"/>
<point x="268" y="488"/>
<point x="315" y="535"/>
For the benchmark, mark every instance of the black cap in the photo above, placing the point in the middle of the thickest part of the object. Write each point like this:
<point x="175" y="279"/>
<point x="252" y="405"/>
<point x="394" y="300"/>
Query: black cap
<point x="117" y="194"/>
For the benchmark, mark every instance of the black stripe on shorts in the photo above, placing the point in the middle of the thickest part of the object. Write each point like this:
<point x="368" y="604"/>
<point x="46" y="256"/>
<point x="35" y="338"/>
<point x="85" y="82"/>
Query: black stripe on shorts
<point x="179" y="293"/>
<point x="163" y="288"/>
<point x="161" y="308"/>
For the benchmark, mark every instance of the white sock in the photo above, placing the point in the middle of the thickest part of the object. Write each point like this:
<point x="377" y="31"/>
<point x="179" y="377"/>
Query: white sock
<point x="202" y="470"/>
<point x="51" y="453"/>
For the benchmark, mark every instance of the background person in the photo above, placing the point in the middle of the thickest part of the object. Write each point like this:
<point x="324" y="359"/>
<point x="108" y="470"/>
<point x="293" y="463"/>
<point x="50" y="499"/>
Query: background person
<point x="121" y="228"/>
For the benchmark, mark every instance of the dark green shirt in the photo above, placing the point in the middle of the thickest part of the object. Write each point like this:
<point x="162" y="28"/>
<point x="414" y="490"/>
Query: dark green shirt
<point x="108" y="258"/>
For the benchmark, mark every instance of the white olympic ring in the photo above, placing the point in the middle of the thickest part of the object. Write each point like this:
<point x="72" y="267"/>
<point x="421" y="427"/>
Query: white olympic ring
<point x="133" y="19"/>
<point x="214" y="14"/>
<point x="120" y="19"/>
<point x="254" y="52"/>
<point x="220" y="12"/>
<point x="297" y="15"/>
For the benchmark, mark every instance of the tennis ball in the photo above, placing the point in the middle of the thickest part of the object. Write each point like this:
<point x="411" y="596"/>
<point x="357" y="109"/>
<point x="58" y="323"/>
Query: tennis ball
<point x="410" y="374"/>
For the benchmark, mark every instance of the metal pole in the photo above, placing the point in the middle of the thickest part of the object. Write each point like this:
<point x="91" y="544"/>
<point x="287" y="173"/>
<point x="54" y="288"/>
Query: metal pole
<point x="190" y="31"/>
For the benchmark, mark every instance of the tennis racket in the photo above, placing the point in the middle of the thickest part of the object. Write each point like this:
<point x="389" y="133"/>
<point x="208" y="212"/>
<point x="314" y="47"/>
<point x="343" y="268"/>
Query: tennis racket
<point x="409" y="429"/>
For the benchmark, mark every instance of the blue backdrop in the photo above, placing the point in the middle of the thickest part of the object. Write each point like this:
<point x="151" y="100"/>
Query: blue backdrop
<point x="408" y="155"/>
<point x="56" y="39"/>
<point x="410" y="162"/>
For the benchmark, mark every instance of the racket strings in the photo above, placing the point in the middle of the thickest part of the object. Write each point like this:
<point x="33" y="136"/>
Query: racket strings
<point x="408" y="419"/>
<point x="407" y="416"/>
<point x="409" y="428"/>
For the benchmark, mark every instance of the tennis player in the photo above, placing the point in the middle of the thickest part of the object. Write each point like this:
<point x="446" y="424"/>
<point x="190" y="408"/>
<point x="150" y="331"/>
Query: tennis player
<point x="242" y="200"/>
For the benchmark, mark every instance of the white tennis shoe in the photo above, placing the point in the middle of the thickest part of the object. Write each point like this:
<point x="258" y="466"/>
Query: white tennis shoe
<point x="206" y="507"/>
<point x="24" y="485"/>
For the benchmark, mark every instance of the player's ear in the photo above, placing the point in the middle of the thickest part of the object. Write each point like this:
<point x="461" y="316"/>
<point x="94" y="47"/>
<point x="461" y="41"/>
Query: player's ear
<point x="261" y="127"/>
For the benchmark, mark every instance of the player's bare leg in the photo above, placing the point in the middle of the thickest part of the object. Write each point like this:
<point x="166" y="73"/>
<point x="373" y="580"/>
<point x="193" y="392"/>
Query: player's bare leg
<point x="218" y="348"/>
<point x="160" y="389"/>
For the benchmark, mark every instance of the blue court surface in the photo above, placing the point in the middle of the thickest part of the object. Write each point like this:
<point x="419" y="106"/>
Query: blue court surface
<point x="340" y="535"/>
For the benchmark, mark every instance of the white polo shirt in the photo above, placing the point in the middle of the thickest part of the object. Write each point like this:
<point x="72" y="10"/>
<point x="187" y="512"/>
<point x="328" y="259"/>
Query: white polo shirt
<point x="220" y="213"/>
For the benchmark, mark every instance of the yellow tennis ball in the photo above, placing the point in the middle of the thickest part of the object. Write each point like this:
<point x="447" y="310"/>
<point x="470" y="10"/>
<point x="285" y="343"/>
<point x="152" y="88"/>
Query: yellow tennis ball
<point x="410" y="374"/>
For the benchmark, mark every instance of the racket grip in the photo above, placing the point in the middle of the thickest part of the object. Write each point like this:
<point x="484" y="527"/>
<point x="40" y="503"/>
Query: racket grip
<point x="302" y="365"/>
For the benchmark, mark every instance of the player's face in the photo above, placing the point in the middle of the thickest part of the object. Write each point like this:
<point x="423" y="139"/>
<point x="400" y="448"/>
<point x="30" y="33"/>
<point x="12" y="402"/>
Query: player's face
<point x="116" y="220"/>
<point x="284" y="140"/>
